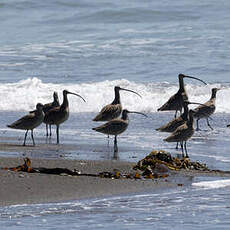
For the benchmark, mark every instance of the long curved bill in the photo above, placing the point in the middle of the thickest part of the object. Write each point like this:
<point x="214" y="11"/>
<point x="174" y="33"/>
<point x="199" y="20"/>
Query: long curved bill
<point x="77" y="95"/>
<point x="138" y="113"/>
<point x="198" y="79"/>
<point x="131" y="91"/>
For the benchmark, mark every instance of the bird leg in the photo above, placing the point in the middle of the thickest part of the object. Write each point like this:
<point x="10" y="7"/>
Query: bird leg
<point x="24" y="143"/>
<point x="108" y="141"/>
<point x="182" y="148"/>
<point x="175" y="114"/>
<point x="177" y="145"/>
<point x="32" y="136"/>
<point x="209" y="124"/>
<point x="185" y="147"/>
<point x="50" y="130"/>
<point x="197" y="124"/>
<point x="177" y="111"/>
<point x="115" y="144"/>
<point x="115" y="156"/>
<point x="47" y="133"/>
<point x="57" y="131"/>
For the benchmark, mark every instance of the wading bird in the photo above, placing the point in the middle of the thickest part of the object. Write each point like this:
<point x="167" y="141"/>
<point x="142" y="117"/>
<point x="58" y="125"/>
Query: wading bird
<point x="206" y="110"/>
<point x="116" y="126"/>
<point x="47" y="107"/>
<point x="178" y="121"/>
<point x="114" y="109"/>
<point x="183" y="133"/>
<point x="175" y="102"/>
<point x="29" y="122"/>
<point x="60" y="114"/>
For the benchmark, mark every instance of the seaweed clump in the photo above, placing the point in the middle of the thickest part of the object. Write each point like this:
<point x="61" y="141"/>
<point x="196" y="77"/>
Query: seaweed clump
<point x="161" y="161"/>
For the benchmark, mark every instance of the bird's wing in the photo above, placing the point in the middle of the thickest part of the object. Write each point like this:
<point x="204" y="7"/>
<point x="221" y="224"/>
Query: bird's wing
<point x="51" y="115"/>
<point x="171" y="104"/>
<point x="206" y="109"/>
<point x="25" y="119"/>
<point x="172" y="125"/>
<point x="113" y="127"/>
<point x="108" y="112"/>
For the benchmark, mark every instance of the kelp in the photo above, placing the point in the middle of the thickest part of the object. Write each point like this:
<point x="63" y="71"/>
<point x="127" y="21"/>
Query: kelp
<point x="115" y="174"/>
<point x="155" y="165"/>
<point x="164" y="159"/>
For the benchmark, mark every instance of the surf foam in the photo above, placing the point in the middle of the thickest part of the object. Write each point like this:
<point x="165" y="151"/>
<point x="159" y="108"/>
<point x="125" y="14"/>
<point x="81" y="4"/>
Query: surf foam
<point x="212" y="184"/>
<point x="25" y="94"/>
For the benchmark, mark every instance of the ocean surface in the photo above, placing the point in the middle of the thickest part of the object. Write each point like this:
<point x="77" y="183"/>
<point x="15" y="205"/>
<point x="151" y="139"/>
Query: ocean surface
<point x="88" y="47"/>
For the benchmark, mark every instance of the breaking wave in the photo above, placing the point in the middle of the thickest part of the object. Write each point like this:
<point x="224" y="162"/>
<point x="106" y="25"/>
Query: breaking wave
<point x="25" y="94"/>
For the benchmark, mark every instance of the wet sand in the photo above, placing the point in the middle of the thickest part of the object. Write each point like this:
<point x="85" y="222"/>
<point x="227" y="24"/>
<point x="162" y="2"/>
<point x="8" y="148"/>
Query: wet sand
<point x="21" y="187"/>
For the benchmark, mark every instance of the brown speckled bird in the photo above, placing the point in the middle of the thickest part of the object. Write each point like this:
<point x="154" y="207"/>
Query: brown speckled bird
<point x="114" y="109"/>
<point x="60" y="114"/>
<point x="175" y="102"/>
<point x="116" y="126"/>
<point x="206" y="110"/>
<point x="29" y="122"/>
<point x="183" y="133"/>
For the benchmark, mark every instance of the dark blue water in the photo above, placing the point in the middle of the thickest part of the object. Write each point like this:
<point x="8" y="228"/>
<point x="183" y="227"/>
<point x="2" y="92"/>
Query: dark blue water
<point x="142" y="41"/>
<point x="89" y="47"/>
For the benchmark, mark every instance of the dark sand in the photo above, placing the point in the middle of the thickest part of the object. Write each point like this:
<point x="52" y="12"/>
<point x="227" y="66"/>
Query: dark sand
<point x="22" y="187"/>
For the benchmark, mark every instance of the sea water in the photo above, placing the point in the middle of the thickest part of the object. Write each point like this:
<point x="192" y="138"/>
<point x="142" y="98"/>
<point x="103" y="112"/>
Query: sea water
<point x="88" y="47"/>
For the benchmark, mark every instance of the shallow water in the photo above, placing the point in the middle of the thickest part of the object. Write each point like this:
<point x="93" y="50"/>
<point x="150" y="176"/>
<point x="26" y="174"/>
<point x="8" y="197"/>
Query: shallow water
<point x="195" y="206"/>
<point x="61" y="41"/>
<point x="89" y="47"/>
<point x="79" y="141"/>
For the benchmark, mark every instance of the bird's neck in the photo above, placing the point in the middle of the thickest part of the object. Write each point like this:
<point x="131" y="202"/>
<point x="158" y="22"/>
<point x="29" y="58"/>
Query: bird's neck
<point x="65" y="103"/>
<point x="117" y="98"/>
<point x="181" y="85"/>
<point x="124" y="116"/>
<point x="56" y="102"/>
<point x="213" y="95"/>
<point x="190" y="121"/>
<point x="39" y="112"/>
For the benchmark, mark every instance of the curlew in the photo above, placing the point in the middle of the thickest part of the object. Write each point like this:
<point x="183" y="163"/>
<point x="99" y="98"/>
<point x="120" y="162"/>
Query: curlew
<point x="29" y="122"/>
<point x="116" y="126"/>
<point x="183" y="133"/>
<point x="50" y="106"/>
<point x="114" y="109"/>
<point x="60" y="114"/>
<point x="175" y="102"/>
<point x="176" y="122"/>
<point x="172" y="125"/>
<point x="206" y="110"/>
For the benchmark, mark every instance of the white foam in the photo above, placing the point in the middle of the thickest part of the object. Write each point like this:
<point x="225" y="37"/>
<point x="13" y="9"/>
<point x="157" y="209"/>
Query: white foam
<point x="25" y="94"/>
<point x="212" y="184"/>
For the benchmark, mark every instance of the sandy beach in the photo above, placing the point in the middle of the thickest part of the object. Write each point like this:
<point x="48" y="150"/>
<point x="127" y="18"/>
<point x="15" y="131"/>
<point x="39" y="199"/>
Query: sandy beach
<point x="21" y="187"/>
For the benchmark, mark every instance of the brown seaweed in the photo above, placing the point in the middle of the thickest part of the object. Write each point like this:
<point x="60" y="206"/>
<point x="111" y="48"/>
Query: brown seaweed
<point x="162" y="159"/>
